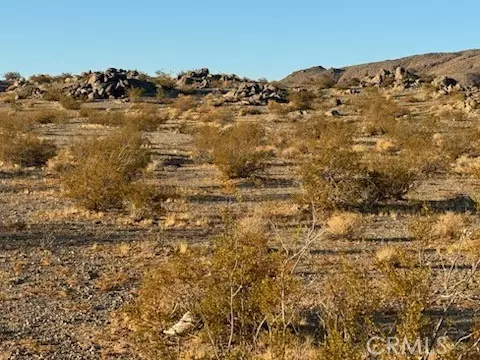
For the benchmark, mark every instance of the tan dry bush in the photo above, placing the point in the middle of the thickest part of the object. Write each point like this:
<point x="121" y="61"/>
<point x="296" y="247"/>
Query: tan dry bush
<point x="185" y="102"/>
<point x="145" y="199"/>
<point x="250" y="110"/>
<point x="69" y="103"/>
<point x="236" y="150"/>
<point x="389" y="255"/>
<point x="386" y="146"/>
<point x="232" y="292"/>
<point x="104" y="169"/>
<point x="25" y="149"/>
<point x="134" y="94"/>
<point x="336" y="179"/>
<point x="48" y="116"/>
<point x="350" y="301"/>
<point x="278" y="108"/>
<point x="20" y="145"/>
<point x="301" y="100"/>
<point x="380" y="113"/>
<point x="319" y="132"/>
<point x="450" y="226"/>
<point x="105" y="118"/>
<point x="344" y="225"/>
<point x="221" y="115"/>
<point x="393" y="176"/>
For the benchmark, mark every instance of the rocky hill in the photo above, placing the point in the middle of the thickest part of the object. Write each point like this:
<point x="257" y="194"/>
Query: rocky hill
<point x="463" y="66"/>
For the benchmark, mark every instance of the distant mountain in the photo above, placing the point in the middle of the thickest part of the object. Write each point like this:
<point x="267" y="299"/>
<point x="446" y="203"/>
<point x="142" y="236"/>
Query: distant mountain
<point x="463" y="66"/>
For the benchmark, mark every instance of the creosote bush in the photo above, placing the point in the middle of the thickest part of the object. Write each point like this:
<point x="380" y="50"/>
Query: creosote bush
<point x="301" y="100"/>
<point x="104" y="171"/>
<point x="237" y="150"/>
<point x="335" y="177"/>
<point x="20" y="145"/>
<point x="69" y="103"/>
<point x="240" y="295"/>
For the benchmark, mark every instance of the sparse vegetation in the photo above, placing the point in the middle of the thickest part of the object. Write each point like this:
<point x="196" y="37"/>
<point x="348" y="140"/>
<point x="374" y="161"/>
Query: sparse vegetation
<point x="104" y="169"/>
<point x="236" y="150"/>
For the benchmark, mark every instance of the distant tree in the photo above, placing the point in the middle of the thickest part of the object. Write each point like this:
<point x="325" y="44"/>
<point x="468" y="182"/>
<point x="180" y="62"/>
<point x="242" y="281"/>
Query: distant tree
<point x="12" y="76"/>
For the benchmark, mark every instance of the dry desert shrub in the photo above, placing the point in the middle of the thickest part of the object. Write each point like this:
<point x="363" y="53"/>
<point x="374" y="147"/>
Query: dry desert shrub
<point x="237" y="150"/>
<point x="380" y="113"/>
<point x="236" y="297"/>
<point x="450" y="226"/>
<point x="69" y="103"/>
<point x="221" y="115"/>
<point x="319" y="133"/>
<point x="144" y="117"/>
<point x="146" y="200"/>
<point x="336" y="180"/>
<point x="25" y="149"/>
<point x="278" y="108"/>
<point x="349" y="302"/>
<point x="104" y="169"/>
<point x="344" y="225"/>
<point x="185" y="102"/>
<point x="301" y="100"/>
<point x="20" y="145"/>
<point x="106" y="118"/>
<point x="48" y="116"/>
<point x="393" y="176"/>
<point x="134" y="94"/>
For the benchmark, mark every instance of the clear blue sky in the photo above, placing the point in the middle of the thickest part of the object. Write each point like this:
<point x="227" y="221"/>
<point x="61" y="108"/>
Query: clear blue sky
<point x="254" y="38"/>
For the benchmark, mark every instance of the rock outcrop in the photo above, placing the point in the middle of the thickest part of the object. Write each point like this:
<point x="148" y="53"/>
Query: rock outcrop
<point x="110" y="84"/>
<point x="255" y="93"/>
<point x="202" y="79"/>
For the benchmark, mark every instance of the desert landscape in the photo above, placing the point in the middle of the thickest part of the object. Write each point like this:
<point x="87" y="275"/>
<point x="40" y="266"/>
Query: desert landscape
<point x="211" y="216"/>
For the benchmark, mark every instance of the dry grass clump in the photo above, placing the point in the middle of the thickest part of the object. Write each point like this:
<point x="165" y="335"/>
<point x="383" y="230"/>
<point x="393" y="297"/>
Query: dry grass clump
<point x="278" y="108"/>
<point x="185" y="102"/>
<point x="321" y="133"/>
<point x="25" y="149"/>
<point x="48" y="116"/>
<point x="221" y="115"/>
<point x="301" y="100"/>
<point x="380" y="113"/>
<point x="343" y="225"/>
<point x="237" y="150"/>
<point x="105" y="118"/>
<point x="104" y="171"/>
<point x="134" y="94"/>
<point x="337" y="178"/>
<point x="386" y="146"/>
<point x="143" y="117"/>
<point x="146" y="200"/>
<point x="252" y="110"/>
<point x="235" y="298"/>
<point x="449" y="226"/>
<point x="69" y="103"/>
<point x="20" y="145"/>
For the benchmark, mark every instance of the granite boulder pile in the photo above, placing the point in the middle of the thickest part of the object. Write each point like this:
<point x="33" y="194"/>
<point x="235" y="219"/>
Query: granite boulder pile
<point x="254" y="93"/>
<point x="110" y="84"/>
